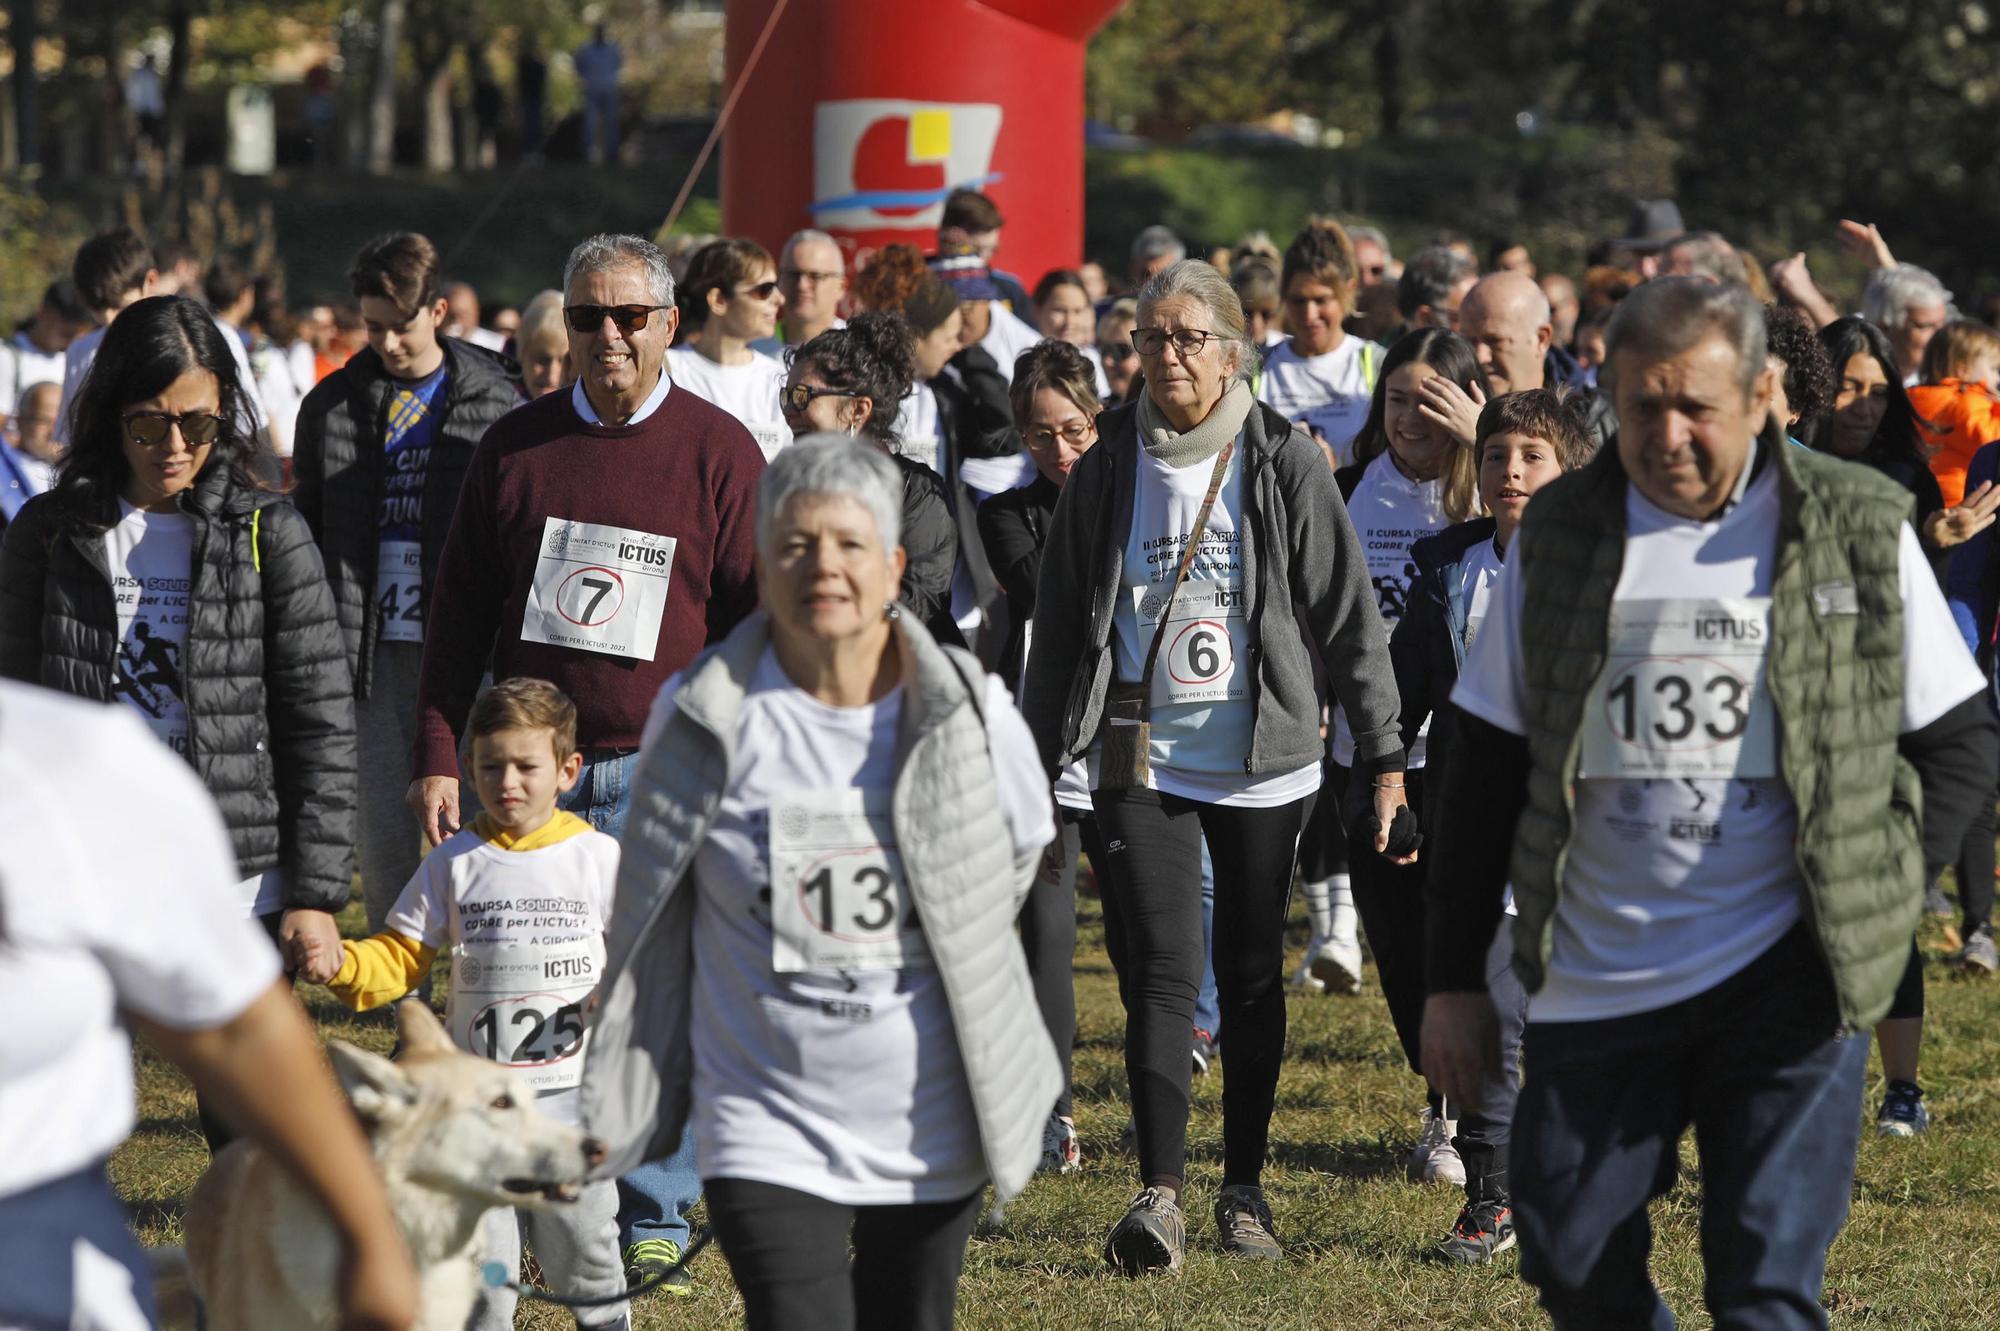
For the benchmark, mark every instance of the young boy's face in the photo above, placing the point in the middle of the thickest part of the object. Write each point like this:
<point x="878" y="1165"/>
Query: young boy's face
<point x="1511" y="468"/>
<point x="518" y="776"/>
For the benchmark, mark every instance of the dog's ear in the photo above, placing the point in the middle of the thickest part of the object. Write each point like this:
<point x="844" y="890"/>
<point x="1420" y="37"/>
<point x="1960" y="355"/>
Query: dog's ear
<point x="418" y="1029"/>
<point x="379" y="1090"/>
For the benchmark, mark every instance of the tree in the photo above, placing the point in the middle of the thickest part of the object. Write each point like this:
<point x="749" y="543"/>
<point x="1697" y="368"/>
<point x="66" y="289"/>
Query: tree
<point x="389" y="21"/>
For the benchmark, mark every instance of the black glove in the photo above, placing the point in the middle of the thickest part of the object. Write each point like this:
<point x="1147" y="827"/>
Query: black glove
<point x="1404" y="836"/>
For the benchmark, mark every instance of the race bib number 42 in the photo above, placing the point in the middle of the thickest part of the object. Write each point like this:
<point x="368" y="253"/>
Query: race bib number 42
<point x="523" y="1007"/>
<point x="839" y="898"/>
<point x="399" y="590"/>
<point x="599" y="589"/>
<point x="1683" y="693"/>
<point x="1207" y="638"/>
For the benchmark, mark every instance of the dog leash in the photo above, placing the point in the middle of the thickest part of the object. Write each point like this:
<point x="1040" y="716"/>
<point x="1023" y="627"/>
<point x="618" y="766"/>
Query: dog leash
<point x="496" y="1273"/>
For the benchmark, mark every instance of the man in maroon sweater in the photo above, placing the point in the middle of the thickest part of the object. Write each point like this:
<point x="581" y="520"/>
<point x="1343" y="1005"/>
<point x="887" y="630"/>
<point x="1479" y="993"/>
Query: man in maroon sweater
<point x="603" y="537"/>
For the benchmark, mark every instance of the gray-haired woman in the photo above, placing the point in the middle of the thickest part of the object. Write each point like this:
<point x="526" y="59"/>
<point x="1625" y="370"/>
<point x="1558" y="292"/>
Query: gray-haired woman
<point x="1192" y="555"/>
<point x="813" y="966"/>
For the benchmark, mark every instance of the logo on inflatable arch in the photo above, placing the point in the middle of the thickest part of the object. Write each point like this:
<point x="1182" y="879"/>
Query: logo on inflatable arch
<point x="884" y="163"/>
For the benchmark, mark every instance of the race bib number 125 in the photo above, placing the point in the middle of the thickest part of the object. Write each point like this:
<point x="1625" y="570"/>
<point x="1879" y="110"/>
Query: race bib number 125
<point x="523" y="1007"/>
<point x="1683" y="693"/>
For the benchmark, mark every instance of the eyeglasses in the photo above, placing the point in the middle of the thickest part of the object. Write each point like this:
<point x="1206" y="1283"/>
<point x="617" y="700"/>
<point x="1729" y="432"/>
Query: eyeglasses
<point x="152" y="428"/>
<point x="629" y="318"/>
<point x="1187" y="341"/>
<point x="1072" y="434"/>
<point x="802" y="275"/>
<point x="762" y="291"/>
<point x="798" y="397"/>
<point x="1117" y="351"/>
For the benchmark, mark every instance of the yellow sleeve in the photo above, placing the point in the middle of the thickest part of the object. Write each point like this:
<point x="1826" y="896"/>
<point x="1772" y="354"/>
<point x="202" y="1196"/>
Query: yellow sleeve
<point x="380" y="970"/>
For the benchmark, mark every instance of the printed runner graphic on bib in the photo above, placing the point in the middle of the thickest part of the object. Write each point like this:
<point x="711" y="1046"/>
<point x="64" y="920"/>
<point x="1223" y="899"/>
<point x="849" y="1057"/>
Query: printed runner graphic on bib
<point x="522" y="1006"/>
<point x="599" y="589"/>
<point x="839" y="899"/>
<point x="399" y="590"/>
<point x="1683" y="693"/>
<point x="1206" y="636"/>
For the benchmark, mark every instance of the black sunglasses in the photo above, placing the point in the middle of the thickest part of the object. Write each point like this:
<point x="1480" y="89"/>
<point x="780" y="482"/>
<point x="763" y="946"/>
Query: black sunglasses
<point x="151" y="428"/>
<point x="798" y="397"/>
<point x="762" y="291"/>
<point x="629" y="318"/>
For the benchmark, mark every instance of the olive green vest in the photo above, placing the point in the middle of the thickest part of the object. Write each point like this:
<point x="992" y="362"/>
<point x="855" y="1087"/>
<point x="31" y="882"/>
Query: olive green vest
<point x="1835" y="674"/>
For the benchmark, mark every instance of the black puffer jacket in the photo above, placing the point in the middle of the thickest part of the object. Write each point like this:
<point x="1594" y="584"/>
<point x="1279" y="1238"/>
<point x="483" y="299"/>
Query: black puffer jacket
<point x="270" y="708"/>
<point x="337" y="475"/>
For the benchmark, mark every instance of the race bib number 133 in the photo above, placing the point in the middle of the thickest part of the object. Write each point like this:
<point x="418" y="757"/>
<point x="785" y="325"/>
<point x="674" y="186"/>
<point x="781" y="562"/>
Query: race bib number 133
<point x="1683" y="693"/>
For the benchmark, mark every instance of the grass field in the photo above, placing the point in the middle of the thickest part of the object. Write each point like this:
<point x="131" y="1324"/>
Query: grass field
<point x="1919" y="1250"/>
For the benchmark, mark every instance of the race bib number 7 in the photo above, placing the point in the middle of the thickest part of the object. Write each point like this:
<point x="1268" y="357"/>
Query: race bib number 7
<point x="839" y="897"/>
<point x="599" y="589"/>
<point x="1683" y="693"/>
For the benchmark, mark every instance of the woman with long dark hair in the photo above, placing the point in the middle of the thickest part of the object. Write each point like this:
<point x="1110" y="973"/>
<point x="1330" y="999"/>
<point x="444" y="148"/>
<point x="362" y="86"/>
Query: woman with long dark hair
<point x="162" y="574"/>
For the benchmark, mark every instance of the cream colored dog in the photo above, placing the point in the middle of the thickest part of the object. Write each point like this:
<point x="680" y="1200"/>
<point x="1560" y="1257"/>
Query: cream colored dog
<point x="455" y="1136"/>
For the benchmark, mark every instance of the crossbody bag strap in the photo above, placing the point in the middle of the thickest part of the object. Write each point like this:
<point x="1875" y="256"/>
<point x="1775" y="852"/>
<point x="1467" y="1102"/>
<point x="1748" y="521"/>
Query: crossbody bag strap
<point x="1187" y="558"/>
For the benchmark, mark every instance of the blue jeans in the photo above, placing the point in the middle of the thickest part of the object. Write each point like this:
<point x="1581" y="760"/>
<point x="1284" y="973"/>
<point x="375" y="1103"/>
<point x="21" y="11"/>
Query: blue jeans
<point x="654" y="1199"/>
<point x="1759" y="1067"/>
<point x="1208" y="1007"/>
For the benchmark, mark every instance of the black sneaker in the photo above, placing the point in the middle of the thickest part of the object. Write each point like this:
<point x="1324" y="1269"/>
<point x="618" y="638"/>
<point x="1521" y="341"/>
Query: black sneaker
<point x="1482" y="1232"/>
<point x="1151" y="1237"/>
<point x="648" y="1258"/>
<point x="1206" y="1051"/>
<point x="1244" y="1218"/>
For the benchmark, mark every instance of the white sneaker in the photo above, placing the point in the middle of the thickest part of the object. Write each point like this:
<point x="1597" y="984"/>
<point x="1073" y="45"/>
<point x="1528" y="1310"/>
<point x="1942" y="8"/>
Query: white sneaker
<point x="1303" y="977"/>
<point x="1336" y="964"/>
<point x="1434" y="1159"/>
<point x="1059" y="1147"/>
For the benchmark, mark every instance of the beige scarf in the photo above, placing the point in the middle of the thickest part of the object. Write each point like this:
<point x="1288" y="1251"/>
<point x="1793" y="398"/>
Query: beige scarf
<point x="1185" y="448"/>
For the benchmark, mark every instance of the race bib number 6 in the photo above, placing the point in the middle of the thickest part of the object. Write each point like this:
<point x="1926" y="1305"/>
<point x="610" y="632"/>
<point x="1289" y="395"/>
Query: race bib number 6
<point x="599" y="589"/>
<point x="839" y="898"/>
<point x="1207" y="638"/>
<point x="1683" y="693"/>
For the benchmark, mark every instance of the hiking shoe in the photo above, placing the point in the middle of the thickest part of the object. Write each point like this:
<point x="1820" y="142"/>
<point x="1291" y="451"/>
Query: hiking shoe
<point x="1902" y="1113"/>
<point x="1060" y="1153"/>
<point x="1336" y="964"/>
<point x="1937" y="903"/>
<point x="1150" y="1237"/>
<point x="1483" y="1231"/>
<point x="1979" y="954"/>
<point x="1434" y="1159"/>
<point x="1206" y="1051"/>
<point x="1244" y="1218"/>
<point x="649" y="1258"/>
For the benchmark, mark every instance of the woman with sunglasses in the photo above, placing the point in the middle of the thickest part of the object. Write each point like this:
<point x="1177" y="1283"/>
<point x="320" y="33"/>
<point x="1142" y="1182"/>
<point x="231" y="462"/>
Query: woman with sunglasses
<point x="1194" y="552"/>
<point x="850" y="381"/>
<point x="160" y="574"/>
<point x="729" y="299"/>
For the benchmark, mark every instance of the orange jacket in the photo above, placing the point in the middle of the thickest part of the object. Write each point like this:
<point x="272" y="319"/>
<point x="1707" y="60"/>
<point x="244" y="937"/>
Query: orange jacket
<point x="1955" y="419"/>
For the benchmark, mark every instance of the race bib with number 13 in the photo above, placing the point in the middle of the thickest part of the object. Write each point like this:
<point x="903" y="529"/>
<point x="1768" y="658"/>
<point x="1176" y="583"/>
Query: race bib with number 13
<point x="1683" y="693"/>
<point x="839" y="898"/>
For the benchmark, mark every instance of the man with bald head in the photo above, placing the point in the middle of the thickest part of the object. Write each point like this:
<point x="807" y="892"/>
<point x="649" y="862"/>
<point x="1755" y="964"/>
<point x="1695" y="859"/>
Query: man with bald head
<point x="1506" y="318"/>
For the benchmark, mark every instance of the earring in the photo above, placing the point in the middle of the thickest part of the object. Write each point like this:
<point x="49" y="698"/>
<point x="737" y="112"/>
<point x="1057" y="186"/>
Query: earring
<point x="890" y="610"/>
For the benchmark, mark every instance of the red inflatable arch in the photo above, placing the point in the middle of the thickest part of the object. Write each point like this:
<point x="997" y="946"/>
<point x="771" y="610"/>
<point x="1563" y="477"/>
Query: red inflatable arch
<point x="861" y="115"/>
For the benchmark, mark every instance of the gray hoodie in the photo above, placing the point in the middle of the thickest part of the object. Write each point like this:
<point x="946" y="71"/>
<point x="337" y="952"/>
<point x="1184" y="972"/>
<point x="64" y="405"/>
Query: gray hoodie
<point x="1302" y="567"/>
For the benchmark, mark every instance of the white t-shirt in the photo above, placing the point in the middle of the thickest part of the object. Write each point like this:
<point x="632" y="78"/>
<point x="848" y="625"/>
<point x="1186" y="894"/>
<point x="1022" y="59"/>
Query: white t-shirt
<point x="96" y="916"/>
<point x="846" y="1085"/>
<point x="749" y="392"/>
<point x="151" y="560"/>
<point x="1390" y="513"/>
<point x="1199" y="744"/>
<point x="1482" y="569"/>
<point x="22" y="366"/>
<point x="1328" y="393"/>
<point x="526" y="930"/>
<point x="77" y="361"/>
<point x="1007" y="336"/>
<point x="920" y="428"/>
<point x="1675" y="884"/>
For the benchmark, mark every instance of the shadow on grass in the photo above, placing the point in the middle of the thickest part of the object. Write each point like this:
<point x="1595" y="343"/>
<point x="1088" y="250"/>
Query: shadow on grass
<point x="156" y="1213"/>
<point x="1357" y="1158"/>
<point x="183" y="1125"/>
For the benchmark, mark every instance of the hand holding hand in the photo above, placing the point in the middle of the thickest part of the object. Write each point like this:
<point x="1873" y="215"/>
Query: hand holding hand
<point x="310" y="942"/>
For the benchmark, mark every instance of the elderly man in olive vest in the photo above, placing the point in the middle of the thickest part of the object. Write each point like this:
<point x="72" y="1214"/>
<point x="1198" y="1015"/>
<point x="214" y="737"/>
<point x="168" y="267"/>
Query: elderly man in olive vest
<point x="1717" y="711"/>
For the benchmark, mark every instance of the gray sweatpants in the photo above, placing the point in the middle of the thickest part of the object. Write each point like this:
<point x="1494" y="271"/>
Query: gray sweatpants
<point x="577" y="1248"/>
<point x="387" y="843"/>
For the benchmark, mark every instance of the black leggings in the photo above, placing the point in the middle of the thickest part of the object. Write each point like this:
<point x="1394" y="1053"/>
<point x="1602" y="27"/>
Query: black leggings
<point x="788" y="1251"/>
<point x="1048" y="936"/>
<point x="1975" y="870"/>
<point x="1152" y="869"/>
<point x="1323" y="846"/>
<point x="1389" y="898"/>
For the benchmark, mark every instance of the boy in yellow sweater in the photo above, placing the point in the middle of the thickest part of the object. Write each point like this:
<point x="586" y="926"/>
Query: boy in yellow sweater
<point x="522" y="896"/>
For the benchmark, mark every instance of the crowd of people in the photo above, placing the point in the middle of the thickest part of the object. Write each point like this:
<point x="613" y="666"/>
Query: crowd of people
<point x="761" y="644"/>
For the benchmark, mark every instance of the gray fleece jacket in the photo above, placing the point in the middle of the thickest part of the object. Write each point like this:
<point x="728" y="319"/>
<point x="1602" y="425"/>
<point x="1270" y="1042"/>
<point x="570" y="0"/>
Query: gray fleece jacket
<point x="1303" y="569"/>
